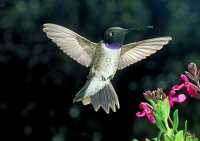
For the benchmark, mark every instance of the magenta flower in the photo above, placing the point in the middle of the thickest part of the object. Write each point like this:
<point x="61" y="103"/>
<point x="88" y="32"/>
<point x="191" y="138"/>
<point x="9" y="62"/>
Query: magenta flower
<point x="187" y="85"/>
<point x="175" y="98"/>
<point x="180" y="98"/>
<point x="147" y="110"/>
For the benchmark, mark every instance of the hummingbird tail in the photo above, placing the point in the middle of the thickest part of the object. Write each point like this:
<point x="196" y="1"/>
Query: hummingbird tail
<point x="105" y="98"/>
<point x="81" y="95"/>
<point x="99" y="94"/>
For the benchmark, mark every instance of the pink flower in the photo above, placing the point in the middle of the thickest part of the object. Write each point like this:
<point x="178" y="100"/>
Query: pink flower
<point x="180" y="98"/>
<point x="190" y="88"/>
<point x="188" y="85"/>
<point x="184" y="78"/>
<point x="175" y="98"/>
<point x="147" y="110"/>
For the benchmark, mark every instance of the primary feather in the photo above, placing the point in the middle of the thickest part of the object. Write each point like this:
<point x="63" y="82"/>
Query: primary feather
<point x="74" y="45"/>
<point x="134" y="52"/>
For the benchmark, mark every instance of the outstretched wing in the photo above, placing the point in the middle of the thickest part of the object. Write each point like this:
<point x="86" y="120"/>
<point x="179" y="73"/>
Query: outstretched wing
<point x="134" y="52"/>
<point x="74" y="45"/>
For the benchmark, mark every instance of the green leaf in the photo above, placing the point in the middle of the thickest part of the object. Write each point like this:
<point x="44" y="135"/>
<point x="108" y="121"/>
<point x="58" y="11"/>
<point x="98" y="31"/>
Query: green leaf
<point x="162" y="109"/>
<point x="148" y="139"/>
<point x="151" y="102"/>
<point x="159" y="123"/>
<point x="189" y="138"/>
<point x="170" y="133"/>
<point x="179" y="136"/>
<point x="186" y="125"/>
<point x="167" y="138"/>
<point x="165" y="109"/>
<point x="155" y="139"/>
<point x="135" y="140"/>
<point x="159" y="136"/>
<point x="175" y="120"/>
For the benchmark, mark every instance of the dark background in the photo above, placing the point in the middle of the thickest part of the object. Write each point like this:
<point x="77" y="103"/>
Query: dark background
<point x="38" y="82"/>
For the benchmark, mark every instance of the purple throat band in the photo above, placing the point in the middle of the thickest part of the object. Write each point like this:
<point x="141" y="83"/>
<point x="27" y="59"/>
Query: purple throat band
<point x="113" y="46"/>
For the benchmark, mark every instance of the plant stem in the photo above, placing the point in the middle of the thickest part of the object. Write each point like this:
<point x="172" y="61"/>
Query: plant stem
<point x="166" y="125"/>
<point x="170" y="121"/>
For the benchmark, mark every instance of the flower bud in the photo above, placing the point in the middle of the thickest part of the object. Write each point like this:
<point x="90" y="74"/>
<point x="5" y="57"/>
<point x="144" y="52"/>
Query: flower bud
<point x="154" y="95"/>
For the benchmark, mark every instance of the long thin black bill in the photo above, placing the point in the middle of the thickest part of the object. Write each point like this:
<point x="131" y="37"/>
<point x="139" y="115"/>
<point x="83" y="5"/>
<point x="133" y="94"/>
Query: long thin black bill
<point x="140" y="28"/>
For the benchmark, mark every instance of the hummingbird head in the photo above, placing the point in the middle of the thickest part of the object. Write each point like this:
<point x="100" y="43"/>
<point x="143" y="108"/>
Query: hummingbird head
<point x="114" y="36"/>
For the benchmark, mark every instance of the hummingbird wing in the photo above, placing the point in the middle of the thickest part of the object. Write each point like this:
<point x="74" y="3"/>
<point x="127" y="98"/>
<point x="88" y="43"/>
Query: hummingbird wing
<point x="77" y="47"/>
<point x="134" y="52"/>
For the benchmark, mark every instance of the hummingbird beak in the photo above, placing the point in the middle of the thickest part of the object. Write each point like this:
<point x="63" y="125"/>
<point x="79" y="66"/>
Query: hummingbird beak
<point x="140" y="28"/>
<point x="126" y="31"/>
<point x="130" y="30"/>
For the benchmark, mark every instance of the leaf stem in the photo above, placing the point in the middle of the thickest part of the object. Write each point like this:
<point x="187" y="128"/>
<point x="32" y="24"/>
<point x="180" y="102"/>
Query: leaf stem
<point x="170" y="121"/>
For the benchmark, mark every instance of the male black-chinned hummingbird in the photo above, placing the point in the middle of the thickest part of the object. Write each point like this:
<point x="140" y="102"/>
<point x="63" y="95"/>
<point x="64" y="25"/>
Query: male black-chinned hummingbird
<point x="103" y="58"/>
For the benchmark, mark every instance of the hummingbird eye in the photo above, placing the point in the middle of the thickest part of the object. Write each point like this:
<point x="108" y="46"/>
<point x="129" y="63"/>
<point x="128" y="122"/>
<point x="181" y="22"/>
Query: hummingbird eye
<point x="111" y="33"/>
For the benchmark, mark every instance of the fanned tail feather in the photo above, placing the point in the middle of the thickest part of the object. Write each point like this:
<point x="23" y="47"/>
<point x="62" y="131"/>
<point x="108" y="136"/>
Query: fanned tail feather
<point x="81" y="94"/>
<point x="105" y="97"/>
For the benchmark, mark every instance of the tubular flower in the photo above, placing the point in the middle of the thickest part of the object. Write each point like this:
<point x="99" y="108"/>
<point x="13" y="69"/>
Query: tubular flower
<point x="147" y="110"/>
<point x="175" y="98"/>
<point x="188" y="85"/>
<point x="190" y="88"/>
<point x="180" y="98"/>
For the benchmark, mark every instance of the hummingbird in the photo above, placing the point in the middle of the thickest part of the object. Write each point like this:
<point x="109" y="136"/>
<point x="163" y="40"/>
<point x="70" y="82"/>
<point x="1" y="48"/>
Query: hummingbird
<point x="103" y="59"/>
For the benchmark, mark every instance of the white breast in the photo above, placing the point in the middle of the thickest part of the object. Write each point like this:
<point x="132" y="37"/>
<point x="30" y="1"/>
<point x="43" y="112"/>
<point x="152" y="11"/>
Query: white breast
<point x="108" y="63"/>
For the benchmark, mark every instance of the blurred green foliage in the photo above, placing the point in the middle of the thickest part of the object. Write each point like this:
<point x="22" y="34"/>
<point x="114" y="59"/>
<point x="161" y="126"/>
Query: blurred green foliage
<point x="30" y="63"/>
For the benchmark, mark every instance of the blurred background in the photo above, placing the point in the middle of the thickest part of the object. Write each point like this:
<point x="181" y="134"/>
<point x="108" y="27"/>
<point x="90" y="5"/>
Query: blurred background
<point x="38" y="81"/>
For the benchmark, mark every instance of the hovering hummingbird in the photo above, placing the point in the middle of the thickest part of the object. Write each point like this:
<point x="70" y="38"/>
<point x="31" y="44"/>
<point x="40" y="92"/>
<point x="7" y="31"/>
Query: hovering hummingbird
<point x="103" y="58"/>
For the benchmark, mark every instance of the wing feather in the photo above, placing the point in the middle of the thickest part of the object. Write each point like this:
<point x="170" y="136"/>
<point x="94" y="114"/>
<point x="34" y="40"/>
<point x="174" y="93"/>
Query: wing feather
<point x="74" y="45"/>
<point x="134" y="52"/>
